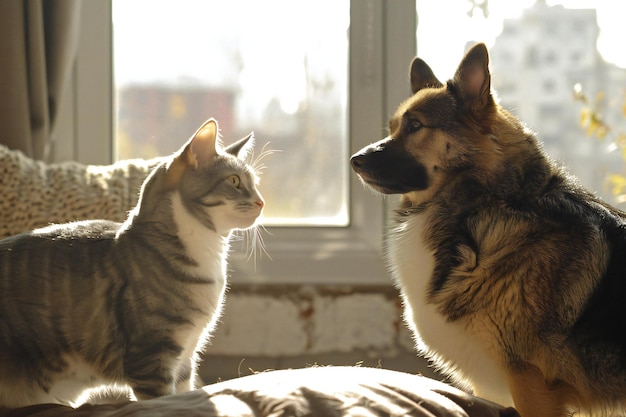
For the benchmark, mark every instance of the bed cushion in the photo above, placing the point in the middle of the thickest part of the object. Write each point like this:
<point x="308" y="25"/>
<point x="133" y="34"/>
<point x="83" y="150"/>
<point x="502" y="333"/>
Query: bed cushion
<point x="316" y="391"/>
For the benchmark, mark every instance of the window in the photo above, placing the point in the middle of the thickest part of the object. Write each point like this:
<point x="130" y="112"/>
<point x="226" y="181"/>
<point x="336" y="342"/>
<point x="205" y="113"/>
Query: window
<point x="283" y="78"/>
<point x="381" y="42"/>
<point x="349" y="251"/>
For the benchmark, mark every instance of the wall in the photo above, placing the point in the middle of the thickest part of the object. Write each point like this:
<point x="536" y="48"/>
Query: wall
<point x="290" y="326"/>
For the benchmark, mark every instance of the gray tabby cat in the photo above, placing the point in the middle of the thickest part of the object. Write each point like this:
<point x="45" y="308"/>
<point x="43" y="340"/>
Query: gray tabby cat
<point x="96" y="303"/>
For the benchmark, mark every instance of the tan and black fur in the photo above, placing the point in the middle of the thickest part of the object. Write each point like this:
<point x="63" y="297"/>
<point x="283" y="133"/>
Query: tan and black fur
<point x="94" y="303"/>
<point x="513" y="276"/>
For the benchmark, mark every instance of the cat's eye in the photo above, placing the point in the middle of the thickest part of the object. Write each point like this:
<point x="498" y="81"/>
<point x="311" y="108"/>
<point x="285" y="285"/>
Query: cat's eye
<point x="234" y="180"/>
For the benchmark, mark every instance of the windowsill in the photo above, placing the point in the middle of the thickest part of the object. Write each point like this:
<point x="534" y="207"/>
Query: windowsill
<point x="336" y="256"/>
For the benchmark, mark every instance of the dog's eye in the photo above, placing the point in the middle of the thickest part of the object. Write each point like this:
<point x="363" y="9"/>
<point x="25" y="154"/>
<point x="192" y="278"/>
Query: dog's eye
<point x="413" y="125"/>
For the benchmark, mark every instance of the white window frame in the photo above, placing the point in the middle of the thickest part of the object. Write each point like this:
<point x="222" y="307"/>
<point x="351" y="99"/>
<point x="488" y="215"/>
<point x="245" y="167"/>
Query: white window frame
<point x="382" y="43"/>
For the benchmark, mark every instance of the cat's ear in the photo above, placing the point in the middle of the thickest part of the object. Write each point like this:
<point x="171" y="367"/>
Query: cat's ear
<point x="203" y="146"/>
<point x="242" y="148"/>
<point x="199" y="151"/>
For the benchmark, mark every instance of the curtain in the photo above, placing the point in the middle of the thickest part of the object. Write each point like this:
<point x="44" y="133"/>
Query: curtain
<point x="38" y="46"/>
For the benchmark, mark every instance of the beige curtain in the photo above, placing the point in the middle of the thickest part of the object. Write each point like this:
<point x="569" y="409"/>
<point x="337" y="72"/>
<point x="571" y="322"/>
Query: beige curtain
<point x="38" y="44"/>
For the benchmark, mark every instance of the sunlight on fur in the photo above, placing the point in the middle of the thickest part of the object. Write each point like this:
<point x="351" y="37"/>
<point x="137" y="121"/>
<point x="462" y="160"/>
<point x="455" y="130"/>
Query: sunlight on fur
<point x="105" y="394"/>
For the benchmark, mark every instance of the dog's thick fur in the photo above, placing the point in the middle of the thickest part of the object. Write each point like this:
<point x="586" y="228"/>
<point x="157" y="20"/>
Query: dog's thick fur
<point x="513" y="276"/>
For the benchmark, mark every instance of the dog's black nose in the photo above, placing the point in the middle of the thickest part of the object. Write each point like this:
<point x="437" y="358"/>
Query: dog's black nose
<point x="356" y="161"/>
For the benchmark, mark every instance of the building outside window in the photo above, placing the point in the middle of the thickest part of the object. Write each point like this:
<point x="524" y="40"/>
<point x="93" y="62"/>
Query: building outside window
<point x="539" y="50"/>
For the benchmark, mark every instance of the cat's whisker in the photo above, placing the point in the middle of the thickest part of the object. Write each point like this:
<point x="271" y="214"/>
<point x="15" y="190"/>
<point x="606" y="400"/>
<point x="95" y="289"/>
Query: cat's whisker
<point x="255" y="245"/>
<point x="257" y="160"/>
<point x="261" y="241"/>
<point x="252" y="245"/>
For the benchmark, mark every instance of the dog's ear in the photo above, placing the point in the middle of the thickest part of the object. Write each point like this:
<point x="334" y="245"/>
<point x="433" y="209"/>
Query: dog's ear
<point x="473" y="81"/>
<point x="422" y="76"/>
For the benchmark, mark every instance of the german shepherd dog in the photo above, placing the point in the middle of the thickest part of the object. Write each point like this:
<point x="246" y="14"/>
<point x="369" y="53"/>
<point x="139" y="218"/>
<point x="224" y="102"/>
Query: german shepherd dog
<point x="513" y="276"/>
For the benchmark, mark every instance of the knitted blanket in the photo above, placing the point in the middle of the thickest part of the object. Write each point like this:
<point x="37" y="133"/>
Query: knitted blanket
<point x="35" y="194"/>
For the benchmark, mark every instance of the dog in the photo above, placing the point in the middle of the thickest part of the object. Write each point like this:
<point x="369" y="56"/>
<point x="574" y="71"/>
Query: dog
<point x="513" y="276"/>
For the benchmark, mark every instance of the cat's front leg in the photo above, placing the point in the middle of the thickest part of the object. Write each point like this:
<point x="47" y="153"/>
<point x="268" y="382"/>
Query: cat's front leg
<point x="152" y="388"/>
<point x="186" y="380"/>
<point x="150" y="375"/>
<point x="156" y="386"/>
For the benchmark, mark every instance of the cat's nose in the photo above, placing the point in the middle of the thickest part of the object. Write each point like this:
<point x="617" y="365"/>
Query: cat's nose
<point x="260" y="203"/>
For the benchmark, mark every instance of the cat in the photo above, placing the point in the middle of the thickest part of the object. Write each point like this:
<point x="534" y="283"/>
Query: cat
<point x="93" y="303"/>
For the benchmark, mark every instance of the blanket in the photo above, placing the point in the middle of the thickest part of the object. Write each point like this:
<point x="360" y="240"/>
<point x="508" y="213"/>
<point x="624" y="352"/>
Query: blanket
<point x="307" y="392"/>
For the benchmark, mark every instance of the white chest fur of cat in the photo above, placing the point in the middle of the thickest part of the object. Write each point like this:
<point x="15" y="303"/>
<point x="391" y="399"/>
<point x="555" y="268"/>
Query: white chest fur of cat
<point x="101" y="303"/>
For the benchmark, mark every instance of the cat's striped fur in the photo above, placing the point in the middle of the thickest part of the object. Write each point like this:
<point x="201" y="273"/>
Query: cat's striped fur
<point x="96" y="302"/>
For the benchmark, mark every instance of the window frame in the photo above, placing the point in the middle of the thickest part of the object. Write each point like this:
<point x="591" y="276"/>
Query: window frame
<point x="382" y="43"/>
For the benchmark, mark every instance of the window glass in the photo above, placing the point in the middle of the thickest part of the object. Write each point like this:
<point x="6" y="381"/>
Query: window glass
<point x="539" y="51"/>
<point x="276" y="67"/>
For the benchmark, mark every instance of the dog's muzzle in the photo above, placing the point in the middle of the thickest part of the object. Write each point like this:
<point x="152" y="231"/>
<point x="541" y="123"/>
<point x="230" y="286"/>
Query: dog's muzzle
<point x="389" y="169"/>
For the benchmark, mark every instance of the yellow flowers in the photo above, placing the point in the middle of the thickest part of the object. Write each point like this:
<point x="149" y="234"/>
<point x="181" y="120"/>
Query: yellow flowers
<point x="592" y="123"/>
<point x="618" y="186"/>
<point x="591" y="119"/>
